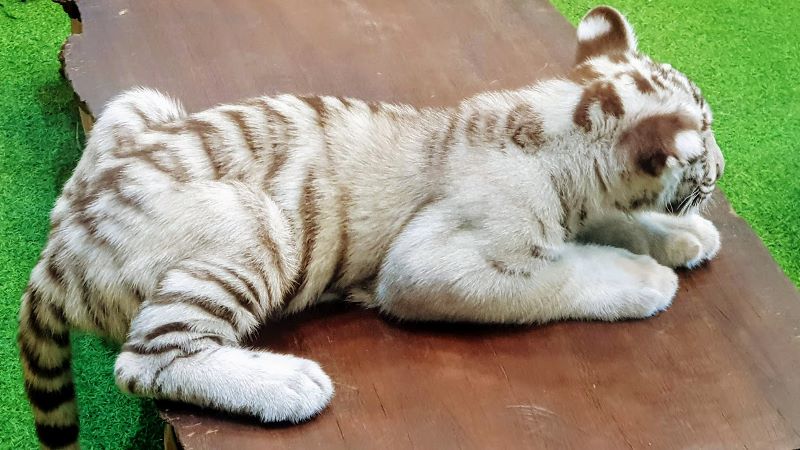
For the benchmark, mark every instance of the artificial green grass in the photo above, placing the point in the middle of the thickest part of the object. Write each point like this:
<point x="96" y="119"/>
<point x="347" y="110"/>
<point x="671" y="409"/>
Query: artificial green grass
<point x="39" y="146"/>
<point x="744" y="56"/>
<point x="742" y="53"/>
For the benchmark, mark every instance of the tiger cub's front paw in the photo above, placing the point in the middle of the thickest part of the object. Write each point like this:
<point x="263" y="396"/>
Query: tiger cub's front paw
<point x="689" y="243"/>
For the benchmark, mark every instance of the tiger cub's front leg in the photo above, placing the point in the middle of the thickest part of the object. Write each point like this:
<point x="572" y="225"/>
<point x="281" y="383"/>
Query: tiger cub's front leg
<point x="674" y="241"/>
<point x="436" y="271"/>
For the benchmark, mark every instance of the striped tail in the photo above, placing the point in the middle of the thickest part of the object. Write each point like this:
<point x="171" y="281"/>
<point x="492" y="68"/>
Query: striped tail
<point x="45" y="354"/>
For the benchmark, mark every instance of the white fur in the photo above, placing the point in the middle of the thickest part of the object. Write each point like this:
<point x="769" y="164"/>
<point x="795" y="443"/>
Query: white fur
<point x="592" y="27"/>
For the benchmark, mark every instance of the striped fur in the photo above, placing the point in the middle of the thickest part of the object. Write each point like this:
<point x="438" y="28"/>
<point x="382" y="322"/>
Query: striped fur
<point x="178" y="234"/>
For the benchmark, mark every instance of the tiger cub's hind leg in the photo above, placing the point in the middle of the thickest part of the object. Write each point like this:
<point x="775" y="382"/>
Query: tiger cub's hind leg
<point x="184" y="344"/>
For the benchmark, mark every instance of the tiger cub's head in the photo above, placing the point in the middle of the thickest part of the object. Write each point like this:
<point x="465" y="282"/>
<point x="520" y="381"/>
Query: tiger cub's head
<point x="664" y="156"/>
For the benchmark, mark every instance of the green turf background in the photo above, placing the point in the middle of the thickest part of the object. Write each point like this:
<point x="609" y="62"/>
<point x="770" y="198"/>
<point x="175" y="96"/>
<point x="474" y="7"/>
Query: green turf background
<point x="743" y="54"/>
<point x="40" y="143"/>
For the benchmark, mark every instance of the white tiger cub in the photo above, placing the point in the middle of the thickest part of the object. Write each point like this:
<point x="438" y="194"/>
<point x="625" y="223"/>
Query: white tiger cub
<point x="179" y="234"/>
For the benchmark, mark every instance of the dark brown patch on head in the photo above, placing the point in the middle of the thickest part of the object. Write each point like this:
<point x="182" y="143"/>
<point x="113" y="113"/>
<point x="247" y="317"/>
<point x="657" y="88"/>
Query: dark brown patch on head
<point x="524" y="126"/>
<point x="584" y="73"/>
<point x="374" y="107"/>
<point x="652" y="140"/>
<point x="615" y="40"/>
<point x="601" y="92"/>
<point x="641" y="82"/>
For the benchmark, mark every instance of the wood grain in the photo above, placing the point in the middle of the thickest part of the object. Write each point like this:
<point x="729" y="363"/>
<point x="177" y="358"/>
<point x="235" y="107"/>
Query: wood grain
<point x="720" y="369"/>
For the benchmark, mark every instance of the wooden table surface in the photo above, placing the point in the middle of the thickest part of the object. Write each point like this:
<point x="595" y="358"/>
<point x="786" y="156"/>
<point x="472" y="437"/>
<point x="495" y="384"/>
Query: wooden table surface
<point x="720" y="369"/>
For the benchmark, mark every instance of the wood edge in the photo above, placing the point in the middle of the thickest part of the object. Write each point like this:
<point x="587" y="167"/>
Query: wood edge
<point x="170" y="438"/>
<point x="70" y="7"/>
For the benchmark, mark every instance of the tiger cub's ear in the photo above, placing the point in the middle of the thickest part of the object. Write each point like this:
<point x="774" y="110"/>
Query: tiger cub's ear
<point x="604" y="31"/>
<point x="652" y="141"/>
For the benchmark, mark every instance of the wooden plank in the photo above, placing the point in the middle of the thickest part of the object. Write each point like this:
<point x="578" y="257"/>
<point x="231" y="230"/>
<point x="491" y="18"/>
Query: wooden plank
<point x="720" y="369"/>
<point x="424" y="52"/>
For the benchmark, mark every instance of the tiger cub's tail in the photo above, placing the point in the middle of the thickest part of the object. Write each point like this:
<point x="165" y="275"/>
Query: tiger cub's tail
<point x="45" y="354"/>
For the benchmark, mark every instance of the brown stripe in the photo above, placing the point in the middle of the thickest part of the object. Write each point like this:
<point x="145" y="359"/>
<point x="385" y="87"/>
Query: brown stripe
<point x="111" y="180"/>
<point x="374" y="107"/>
<point x="41" y="331"/>
<point x="582" y="214"/>
<point x="275" y="253"/>
<point x="344" y="235"/>
<point x="490" y="126"/>
<point x="141" y="349"/>
<point x="142" y="116"/>
<point x="250" y="304"/>
<point x="618" y="58"/>
<point x="54" y="271"/>
<point x="308" y="215"/>
<point x="238" y="117"/>
<point x="149" y="154"/>
<point x="345" y="101"/>
<point x="450" y="134"/>
<point x="601" y="92"/>
<point x="599" y="174"/>
<point x="472" y="129"/>
<point x="167" y="328"/>
<point x="525" y="127"/>
<point x="657" y="81"/>
<point x="206" y="304"/>
<point x="92" y="306"/>
<point x="584" y="73"/>
<point x="565" y="210"/>
<point x="47" y="401"/>
<point x="166" y="366"/>
<point x="56" y="436"/>
<point x="318" y="105"/>
<point x="31" y="361"/>
<point x="82" y="217"/>
<point x="133" y="386"/>
<point x="278" y="160"/>
<point x="273" y="115"/>
<point x="641" y="82"/>
<point x="204" y="131"/>
<point x="251" y="288"/>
